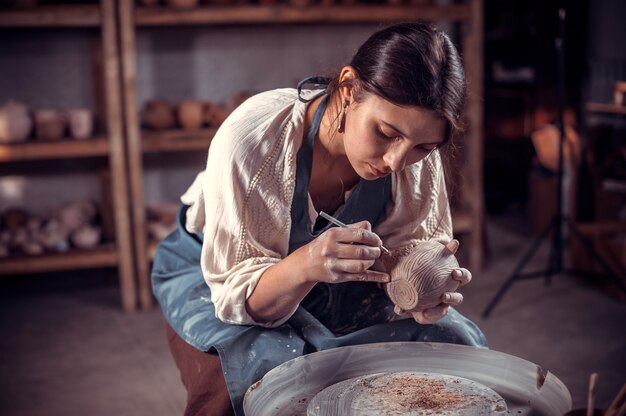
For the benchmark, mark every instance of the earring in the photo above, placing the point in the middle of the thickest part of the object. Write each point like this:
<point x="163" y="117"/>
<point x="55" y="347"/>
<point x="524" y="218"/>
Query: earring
<point x="342" y="120"/>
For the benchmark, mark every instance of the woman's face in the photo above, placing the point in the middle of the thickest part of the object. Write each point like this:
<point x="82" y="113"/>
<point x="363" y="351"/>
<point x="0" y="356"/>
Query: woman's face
<point x="381" y="137"/>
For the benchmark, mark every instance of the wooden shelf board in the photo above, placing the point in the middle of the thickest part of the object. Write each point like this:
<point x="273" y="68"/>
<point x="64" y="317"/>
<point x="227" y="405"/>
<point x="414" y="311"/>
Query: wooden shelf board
<point x="277" y="14"/>
<point x="38" y="150"/>
<point x="105" y="256"/>
<point x="606" y="108"/>
<point x="76" y="15"/>
<point x="177" y="140"/>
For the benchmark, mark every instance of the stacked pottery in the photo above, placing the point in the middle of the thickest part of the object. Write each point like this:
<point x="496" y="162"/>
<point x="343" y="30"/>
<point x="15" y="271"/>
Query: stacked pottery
<point x="15" y="123"/>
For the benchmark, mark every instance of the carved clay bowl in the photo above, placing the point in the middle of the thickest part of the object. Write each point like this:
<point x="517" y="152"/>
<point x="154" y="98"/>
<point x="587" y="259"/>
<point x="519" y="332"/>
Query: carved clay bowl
<point x="525" y="387"/>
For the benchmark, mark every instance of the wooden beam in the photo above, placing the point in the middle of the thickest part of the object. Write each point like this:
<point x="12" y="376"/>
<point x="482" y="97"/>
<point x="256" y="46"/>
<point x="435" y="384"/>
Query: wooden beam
<point x="41" y="150"/>
<point x="277" y="14"/>
<point x="117" y="156"/>
<point x="72" y="260"/>
<point x="134" y="151"/>
<point x="77" y="15"/>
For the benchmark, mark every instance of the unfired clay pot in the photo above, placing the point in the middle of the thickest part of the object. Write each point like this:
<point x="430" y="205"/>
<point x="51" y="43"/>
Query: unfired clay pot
<point x="214" y="114"/>
<point x="80" y="121"/>
<point x="86" y="237"/>
<point x="158" y="115"/>
<point x="420" y="278"/>
<point x="190" y="114"/>
<point x="15" y="122"/>
<point x="50" y="124"/>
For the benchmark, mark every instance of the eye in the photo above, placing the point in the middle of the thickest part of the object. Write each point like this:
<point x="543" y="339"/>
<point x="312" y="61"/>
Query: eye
<point x="386" y="136"/>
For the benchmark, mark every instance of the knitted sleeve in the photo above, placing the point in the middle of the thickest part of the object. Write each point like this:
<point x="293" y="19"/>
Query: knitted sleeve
<point x="242" y="201"/>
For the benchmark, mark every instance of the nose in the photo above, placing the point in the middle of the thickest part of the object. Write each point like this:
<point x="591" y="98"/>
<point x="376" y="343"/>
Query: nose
<point x="395" y="159"/>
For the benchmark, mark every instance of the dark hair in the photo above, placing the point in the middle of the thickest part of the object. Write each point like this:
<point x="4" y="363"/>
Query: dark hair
<point x="412" y="64"/>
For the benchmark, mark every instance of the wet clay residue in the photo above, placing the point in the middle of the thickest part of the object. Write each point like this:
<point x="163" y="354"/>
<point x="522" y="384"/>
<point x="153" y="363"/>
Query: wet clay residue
<point x="423" y="393"/>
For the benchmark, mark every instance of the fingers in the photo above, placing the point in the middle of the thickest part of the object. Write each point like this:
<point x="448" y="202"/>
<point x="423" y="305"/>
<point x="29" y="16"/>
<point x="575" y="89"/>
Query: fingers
<point x="452" y="298"/>
<point x="461" y="275"/>
<point x="431" y="315"/>
<point x="359" y="233"/>
<point x="355" y="270"/>
<point x="453" y="246"/>
<point x="361" y="224"/>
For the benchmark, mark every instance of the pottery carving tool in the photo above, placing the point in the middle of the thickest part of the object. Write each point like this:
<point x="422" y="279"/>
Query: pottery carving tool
<point x="338" y="223"/>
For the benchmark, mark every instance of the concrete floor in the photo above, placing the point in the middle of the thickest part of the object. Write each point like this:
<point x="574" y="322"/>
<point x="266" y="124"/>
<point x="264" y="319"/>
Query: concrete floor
<point x="67" y="349"/>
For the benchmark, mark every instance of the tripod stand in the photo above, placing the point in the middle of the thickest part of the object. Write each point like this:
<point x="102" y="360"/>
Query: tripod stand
<point x="555" y="259"/>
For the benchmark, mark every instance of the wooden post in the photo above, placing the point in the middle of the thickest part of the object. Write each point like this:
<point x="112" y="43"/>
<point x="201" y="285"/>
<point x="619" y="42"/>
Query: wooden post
<point x="117" y="155"/>
<point x="135" y="150"/>
<point x="473" y="56"/>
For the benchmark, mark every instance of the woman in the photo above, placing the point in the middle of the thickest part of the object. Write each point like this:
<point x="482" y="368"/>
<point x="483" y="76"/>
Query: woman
<point x="254" y="277"/>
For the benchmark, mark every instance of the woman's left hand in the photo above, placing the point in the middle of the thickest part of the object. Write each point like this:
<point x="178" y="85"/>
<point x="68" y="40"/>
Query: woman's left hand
<point x="432" y="315"/>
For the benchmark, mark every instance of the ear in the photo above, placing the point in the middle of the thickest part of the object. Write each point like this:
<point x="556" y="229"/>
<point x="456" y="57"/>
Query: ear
<point x="453" y="246"/>
<point x="347" y="76"/>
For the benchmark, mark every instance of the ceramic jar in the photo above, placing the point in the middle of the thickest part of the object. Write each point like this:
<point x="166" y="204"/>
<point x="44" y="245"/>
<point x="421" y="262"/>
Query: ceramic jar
<point x="80" y="121"/>
<point x="50" y="124"/>
<point x="158" y="115"/>
<point x="190" y="114"/>
<point x="15" y="122"/>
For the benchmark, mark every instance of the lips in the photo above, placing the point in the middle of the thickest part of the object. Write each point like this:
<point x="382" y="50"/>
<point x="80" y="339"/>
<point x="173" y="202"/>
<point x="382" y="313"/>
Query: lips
<point x="378" y="173"/>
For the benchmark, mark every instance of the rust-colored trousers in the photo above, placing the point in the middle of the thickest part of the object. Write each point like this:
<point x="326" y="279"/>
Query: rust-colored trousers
<point x="201" y="373"/>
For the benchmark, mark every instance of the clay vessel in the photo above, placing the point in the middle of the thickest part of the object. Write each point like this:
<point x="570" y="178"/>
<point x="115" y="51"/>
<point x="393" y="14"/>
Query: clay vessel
<point x="214" y="114"/>
<point x="419" y="279"/>
<point x="619" y="93"/>
<point x="190" y="114"/>
<point x="50" y="124"/>
<point x="158" y="115"/>
<point x="80" y="121"/>
<point x="15" y="122"/>
<point x="86" y="237"/>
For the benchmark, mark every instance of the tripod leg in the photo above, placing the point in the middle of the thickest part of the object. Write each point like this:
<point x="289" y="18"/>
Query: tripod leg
<point x="594" y="254"/>
<point x="516" y="272"/>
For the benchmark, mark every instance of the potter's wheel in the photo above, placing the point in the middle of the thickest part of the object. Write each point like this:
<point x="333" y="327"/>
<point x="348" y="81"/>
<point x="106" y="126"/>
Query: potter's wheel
<point x="289" y="388"/>
<point x="407" y="393"/>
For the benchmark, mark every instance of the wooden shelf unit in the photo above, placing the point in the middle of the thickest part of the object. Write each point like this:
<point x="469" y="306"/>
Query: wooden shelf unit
<point x="39" y="150"/>
<point x="104" y="256"/>
<point x="608" y="108"/>
<point x="283" y="14"/>
<point x="177" y="140"/>
<point x="101" y="16"/>
<point x="468" y="15"/>
<point x="62" y="16"/>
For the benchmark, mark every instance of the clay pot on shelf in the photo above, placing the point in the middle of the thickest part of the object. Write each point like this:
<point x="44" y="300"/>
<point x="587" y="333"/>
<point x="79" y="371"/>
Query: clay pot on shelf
<point x="619" y="93"/>
<point x="158" y="115"/>
<point x="214" y="114"/>
<point x="182" y="4"/>
<point x="15" y="122"/>
<point x="86" y="237"/>
<point x="190" y="114"/>
<point x="80" y="121"/>
<point x="50" y="124"/>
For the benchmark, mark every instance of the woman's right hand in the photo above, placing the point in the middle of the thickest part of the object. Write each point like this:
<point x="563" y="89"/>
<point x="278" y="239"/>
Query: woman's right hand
<point x="344" y="255"/>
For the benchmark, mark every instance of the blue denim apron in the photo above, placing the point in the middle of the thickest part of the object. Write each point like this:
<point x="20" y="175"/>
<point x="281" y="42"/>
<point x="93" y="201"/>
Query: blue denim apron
<point x="330" y="316"/>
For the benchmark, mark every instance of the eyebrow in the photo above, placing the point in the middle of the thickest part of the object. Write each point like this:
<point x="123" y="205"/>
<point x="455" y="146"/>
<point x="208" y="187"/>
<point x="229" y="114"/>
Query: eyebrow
<point x="438" y="142"/>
